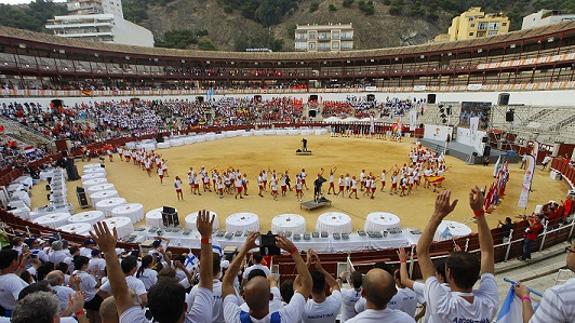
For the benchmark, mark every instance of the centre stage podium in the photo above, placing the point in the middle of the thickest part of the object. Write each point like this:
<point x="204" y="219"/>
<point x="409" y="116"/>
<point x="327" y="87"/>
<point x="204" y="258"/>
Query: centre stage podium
<point x="313" y="204"/>
<point x="300" y="152"/>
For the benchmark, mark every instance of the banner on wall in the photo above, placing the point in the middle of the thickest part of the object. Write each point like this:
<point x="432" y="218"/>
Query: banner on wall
<point x="412" y="120"/>
<point x="435" y="132"/>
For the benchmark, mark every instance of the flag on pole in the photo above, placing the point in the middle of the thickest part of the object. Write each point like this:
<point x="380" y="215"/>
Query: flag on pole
<point x="497" y="166"/>
<point x="511" y="310"/>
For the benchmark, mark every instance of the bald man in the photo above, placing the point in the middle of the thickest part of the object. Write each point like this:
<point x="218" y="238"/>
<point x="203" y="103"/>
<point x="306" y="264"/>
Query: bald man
<point x="378" y="289"/>
<point x="108" y="311"/>
<point x="56" y="280"/>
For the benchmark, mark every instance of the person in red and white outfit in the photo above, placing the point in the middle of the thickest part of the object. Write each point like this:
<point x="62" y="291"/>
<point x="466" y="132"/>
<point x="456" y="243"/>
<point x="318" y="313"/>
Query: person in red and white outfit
<point x="178" y="186"/>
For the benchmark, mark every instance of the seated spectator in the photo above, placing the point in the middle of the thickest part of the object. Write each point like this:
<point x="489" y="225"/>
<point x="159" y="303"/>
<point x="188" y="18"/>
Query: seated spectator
<point x="129" y="266"/>
<point x="557" y="303"/>
<point x="461" y="303"/>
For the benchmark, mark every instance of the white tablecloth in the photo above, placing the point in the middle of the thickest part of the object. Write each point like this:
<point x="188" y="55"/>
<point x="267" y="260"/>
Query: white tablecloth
<point x="154" y="218"/>
<point x="100" y="187"/>
<point x="380" y="221"/>
<point x="451" y="229"/>
<point x="92" y="166"/>
<point x="135" y="211"/>
<point x="90" y="217"/>
<point x="92" y="176"/>
<point x="22" y="196"/>
<point x="53" y="220"/>
<point x="163" y="145"/>
<point x="243" y="221"/>
<point x="107" y="205"/>
<point x="45" y="174"/>
<point x="288" y="222"/>
<point x="25" y="180"/>
<point x="333" y="222"/>
<point x="192" y="217"/>
<point x="122" y="224"/>
<point x="81" y="228"/>
<point x="94" y="170"/>
<point x="15" y="187"/>
<point x="94" y="182"/>
<point x="102" y="195"/>
<point x="22" y="212"/>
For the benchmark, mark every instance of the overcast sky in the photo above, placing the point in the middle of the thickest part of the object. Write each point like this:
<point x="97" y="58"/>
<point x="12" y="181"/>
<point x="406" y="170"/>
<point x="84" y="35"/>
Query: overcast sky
<point x="23" y="1"/>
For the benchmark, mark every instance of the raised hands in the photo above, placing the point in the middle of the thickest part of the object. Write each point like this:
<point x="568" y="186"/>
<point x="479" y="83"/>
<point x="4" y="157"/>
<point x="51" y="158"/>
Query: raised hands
<point x="105" y="239"/>
<point x="285" y="244"/>
<point x="251" y="240"/>
<point x="204" y="223"/>
<point x="402" y="254"/>
<point x="476" y="199"/>
<point x="443" y="205"/>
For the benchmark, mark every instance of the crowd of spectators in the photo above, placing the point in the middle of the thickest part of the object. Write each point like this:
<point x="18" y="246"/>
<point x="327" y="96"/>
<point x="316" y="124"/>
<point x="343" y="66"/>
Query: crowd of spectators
<point x="44" y="279"/>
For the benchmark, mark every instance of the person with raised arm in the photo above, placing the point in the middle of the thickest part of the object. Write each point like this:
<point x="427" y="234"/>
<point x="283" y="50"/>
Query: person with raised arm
<point x="257" y="290"/>
<point x="461" y="303"/>
<point x="166" y="299"/>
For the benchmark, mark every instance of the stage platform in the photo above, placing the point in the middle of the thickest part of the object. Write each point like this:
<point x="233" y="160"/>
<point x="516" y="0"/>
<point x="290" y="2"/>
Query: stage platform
<point x="303" y="153"/>
<point x="463" y="152"/>
<point x="312" y="205"/>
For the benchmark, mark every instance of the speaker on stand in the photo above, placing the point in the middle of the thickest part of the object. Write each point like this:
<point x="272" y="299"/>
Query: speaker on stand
<point x="431" y="98"/>
<point x="510" y="115"/>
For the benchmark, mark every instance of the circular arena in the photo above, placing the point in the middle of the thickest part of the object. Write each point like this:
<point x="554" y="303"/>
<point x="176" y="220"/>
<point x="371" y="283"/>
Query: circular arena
<point x="320" y="166"/>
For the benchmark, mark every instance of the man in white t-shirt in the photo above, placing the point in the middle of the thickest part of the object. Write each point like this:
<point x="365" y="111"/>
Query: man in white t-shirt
<point x="97" y="264"/>
<point x="167" y="298"/>
<point x="10" y="283"/>
<point x="461" y="303"/>
<point x="405" y="300"/>
<point x="378" y="289"/>
<point x="218" y="308"/>
<point x="350" y="296"/>
<point x="257" y="288"/>
<point x="56" y="280"/>
<point x="257" y="260"/>
<point x="319" y="308"/>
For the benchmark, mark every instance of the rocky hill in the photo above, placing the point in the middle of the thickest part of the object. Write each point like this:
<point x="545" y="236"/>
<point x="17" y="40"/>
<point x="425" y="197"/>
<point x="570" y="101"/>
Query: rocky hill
<point x="240" y="24"/>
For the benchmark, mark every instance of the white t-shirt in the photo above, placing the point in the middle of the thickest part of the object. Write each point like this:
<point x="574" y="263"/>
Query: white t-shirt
<point x="97" y="264"/>
<point x="218" y="308"/>
<point x="349" y="297"/>
<point x="275" y="304"/>
<point x="63" y="293"/>
<point x="324" y="312"/>
<point x="201" y="311"/>
<point x="404" y="300"/>
<point x="133" y="283"/>
<point x="378" y="316"/>
<point x="447" y="306"/>
<point x="256" y="266"/>
<point x="149" y="277"/>
<point x="67" y="319"/>
<point x="290" y="313"/>
<point x="87" y="285"/>
<point x="10" y="287"/>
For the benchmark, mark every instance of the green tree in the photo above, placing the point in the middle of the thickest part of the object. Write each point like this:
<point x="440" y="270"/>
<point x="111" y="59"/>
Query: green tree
<point x="179" y="38"/>
<point x="347" y="3"/>
<point x="314" y="6"/>
<point x="332" y="7"/>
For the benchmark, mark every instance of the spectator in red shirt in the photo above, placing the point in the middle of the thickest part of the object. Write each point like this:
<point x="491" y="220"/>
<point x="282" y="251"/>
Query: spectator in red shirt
<point x="567" y="208"/>
<point x="531" y="234"/>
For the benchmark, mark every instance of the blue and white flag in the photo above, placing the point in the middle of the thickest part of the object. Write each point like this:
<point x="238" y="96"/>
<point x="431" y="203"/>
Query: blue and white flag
<point x="446" y="234"/>
<point x="511" y="310"/>
<point x="191" y="261"/>
<point x="217" y="249"/>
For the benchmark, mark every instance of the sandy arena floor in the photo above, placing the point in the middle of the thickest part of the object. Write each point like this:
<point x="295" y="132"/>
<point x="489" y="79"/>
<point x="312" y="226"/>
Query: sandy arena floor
<point x="252" y="154"/>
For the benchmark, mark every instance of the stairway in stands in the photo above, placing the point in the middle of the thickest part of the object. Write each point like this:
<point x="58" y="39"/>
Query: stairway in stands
<point x="24" y="134"/>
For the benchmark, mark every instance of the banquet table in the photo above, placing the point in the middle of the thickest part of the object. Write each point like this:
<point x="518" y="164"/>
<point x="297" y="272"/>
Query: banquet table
<point x="90" y="217"/>
<point x="94" y="170"/>
<point x="53" y="220"/>
<point x="107" y="205"/>
<point x="154" y="218"/>
<point x="22" y="212"/>
<point x="45" y="174"/>
<point x="242" y="221"/>
<point x="288" y="222"/>
<point x="381" y="221"/>
<point x="15" y="187"/>
<point x="451" y="229"/>
<point x="134" y="211"/>
<point x="92" y="166"/>
<point x="123" y="225"/>
<point x="100" y="187"/>
<point x="80" y="228"/>
<point x="22" y="196"/>
<point x="331" y="222"/>
<point x="92" y="176"/>
<point x="102" y="195"/>
<point x="192" y="217"/>
<point x="25" y="180"/>
<point x="93" y="182"/>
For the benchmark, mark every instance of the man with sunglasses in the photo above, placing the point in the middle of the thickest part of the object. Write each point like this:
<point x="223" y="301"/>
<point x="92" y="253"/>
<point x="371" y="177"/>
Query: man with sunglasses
<point x="558" y="302"/>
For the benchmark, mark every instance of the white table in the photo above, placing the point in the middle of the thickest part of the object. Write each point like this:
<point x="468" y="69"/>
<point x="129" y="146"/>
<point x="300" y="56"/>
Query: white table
<point x="243" y="221"/>
<point x="134" y="211"/>
<point x="45" y="174"/>
<point x="107" y="205"/>
<point x="92" y="176"/>
<point x="22" y="196"/>
<point x="25" y="180"/>
<point x="94" y="170"/>
<point x="81" y="228"/>
<point x="163" y="145"/>
<point x="92" y="166"/>
<point x="331" y="222"/>
<point x="451" y="229"/>
<point x="381" y="221"/>
<point x="100" y="187"/>
<point x="102" y="195"/>
<point x="53" y="220"/>
<point x="288" y="222"/>
<point x="192" y="217"/>
<point x="122" y="224"/>
<point x="22" y="212"/>
<point x="93" y="182"/>
<point x="154" y="218"/>
<point x="90" y="217"/>
<point x="15" y="187"/>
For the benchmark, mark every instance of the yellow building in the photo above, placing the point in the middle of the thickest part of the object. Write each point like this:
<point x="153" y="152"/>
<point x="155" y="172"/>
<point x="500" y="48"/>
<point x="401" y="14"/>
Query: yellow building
<point x="474" y="23"/>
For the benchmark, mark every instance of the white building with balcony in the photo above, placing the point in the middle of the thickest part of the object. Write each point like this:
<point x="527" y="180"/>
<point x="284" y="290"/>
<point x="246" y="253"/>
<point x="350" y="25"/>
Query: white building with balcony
<point x="324" y="38"/>
<point x="545" y="17"/>
<point x="99" y="20"/>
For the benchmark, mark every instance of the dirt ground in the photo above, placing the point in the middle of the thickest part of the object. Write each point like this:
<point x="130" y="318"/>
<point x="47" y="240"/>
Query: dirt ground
<point x="252" y="154"/>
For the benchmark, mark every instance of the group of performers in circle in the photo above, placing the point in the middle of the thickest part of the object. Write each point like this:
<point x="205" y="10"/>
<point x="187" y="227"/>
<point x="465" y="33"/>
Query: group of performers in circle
<point x="426" y="168"/>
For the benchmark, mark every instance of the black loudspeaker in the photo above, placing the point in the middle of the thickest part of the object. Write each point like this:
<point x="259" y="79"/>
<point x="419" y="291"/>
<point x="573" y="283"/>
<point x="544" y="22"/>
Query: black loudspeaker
<point x="449" y="110"/>
<point x="370" y="97"/>
<point x="57" y="103"/>
<point x="484" y="139"/>
<point x="170" y="217"/>
<point x="503" y="99"/>
<point x="510" y="115"/>
<point x="257" y="98"/>
<point x="312" y="113"/>
<point x="431" y="98"/>
<point x="199" y="99"/>
<point x="312" y="98"/>
<point x="487" y="151"/>
<point x="159" y="138"/>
